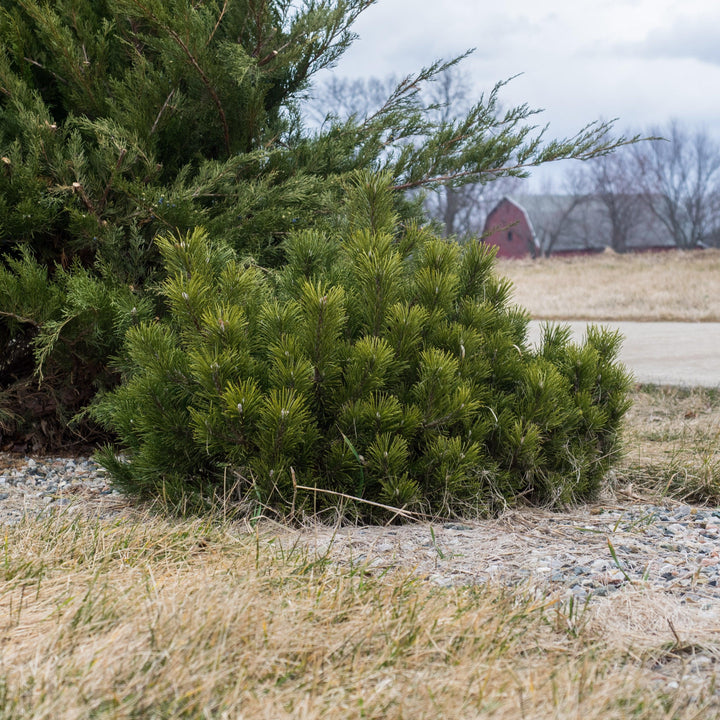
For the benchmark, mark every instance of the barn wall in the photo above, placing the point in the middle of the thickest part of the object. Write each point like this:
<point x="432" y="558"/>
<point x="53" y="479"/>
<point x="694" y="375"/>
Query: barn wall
<point x="509" y="230"/>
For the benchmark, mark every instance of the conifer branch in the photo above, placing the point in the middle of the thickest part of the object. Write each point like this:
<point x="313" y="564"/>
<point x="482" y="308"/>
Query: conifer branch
<point x="19" y="318"/>
<point x="271" y="55"/>
<point x="518" y="167"/>
<point x="217" y="24"/>
<point x="421" y="182"/>
<point x="104" y="197"/>
<point x="194" y="62"/>
<point x="162" y="110"/>
<point x="208" y="85"/>
<point x="61" y="47"/>
<point x="42" y="67"/>
<point x="80" y="190"/>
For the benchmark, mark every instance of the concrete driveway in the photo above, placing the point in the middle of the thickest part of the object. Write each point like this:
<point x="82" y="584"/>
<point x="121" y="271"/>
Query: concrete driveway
<point x="664" y="353"/>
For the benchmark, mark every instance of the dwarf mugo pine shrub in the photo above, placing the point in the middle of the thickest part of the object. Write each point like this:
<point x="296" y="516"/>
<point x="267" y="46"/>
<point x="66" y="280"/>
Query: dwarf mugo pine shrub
<point x="385" y="364"/>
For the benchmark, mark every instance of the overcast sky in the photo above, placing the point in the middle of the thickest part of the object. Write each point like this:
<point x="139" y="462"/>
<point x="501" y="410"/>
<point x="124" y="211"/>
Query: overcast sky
<point x="643" y="61"/>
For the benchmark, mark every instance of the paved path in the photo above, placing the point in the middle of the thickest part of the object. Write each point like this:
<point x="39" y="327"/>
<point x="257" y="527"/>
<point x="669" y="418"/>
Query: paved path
<point x="665" y="353"/>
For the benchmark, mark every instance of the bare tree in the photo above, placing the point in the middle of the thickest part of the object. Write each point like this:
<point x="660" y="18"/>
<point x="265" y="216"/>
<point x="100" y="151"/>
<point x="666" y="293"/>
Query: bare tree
<point x="343" y="98"/>
<point x="461" y="209"/>
<point x="612" y="181"/>
<point x="663" y="192"/>
<point x="680" y="177"/>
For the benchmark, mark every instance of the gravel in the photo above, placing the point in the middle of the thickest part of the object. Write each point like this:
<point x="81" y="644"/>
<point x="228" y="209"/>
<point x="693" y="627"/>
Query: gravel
<point x="676" y="549"/>
<point x="586" y="554"/>
<point x="33" y="486"/>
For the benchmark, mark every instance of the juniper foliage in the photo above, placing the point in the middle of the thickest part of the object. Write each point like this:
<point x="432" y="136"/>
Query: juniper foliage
<point x="381" y="363"/>
<point x="122" y="119"/>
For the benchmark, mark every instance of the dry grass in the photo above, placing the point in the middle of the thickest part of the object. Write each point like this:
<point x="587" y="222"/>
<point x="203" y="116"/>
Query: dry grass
<point x="661" y="286"/>
<point x="673" y="441"/>
<point x="153" y="618"/>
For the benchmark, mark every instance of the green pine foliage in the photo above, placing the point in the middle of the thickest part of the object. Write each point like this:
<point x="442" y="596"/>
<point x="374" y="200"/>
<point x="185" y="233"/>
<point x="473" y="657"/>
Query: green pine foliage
<point x="123" y="119"/>
<point x="382" y="364"/>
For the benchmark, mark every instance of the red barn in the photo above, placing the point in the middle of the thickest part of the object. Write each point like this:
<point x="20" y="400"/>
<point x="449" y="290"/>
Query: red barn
<point x="508" y="227"/>
<point x="533" y="225"/>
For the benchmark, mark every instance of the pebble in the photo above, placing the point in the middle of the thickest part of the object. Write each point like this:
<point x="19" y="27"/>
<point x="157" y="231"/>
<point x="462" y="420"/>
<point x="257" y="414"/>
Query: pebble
<point x="670" y="549"/>
<point x="580" y="555"/>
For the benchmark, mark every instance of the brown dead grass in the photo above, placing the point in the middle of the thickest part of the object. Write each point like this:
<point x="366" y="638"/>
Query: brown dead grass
<point x="147" y="617"/>
<point x="672" y="437"/>
<point x="682" y="286"/>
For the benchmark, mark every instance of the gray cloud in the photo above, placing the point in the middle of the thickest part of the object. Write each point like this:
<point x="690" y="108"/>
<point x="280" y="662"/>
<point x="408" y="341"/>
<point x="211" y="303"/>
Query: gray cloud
<point x="690" y="38"/>
<point x="643" y="61"/>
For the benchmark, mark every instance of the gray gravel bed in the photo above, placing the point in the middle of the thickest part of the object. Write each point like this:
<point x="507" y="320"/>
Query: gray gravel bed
<point x="585" y="554"/>
<point x="677" y="549"/>
<point x="590" y="553"/>
<point x="32" y="486"/>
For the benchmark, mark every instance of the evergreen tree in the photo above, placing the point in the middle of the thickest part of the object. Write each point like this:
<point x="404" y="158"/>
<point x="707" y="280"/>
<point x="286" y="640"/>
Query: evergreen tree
<point x="381" y="363"/>
<point x="122" y="119"/>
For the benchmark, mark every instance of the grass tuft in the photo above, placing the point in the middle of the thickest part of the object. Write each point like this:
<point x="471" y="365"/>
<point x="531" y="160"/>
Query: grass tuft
<point x="672" y="437"/>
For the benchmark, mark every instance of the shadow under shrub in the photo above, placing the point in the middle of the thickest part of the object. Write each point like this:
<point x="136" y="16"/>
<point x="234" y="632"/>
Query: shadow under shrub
<point x="384" y="364"/>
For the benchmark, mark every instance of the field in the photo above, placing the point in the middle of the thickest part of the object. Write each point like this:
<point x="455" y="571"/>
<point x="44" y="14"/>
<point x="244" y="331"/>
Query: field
<point x="661" y="286"/>
<point x="145" y="616"/>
